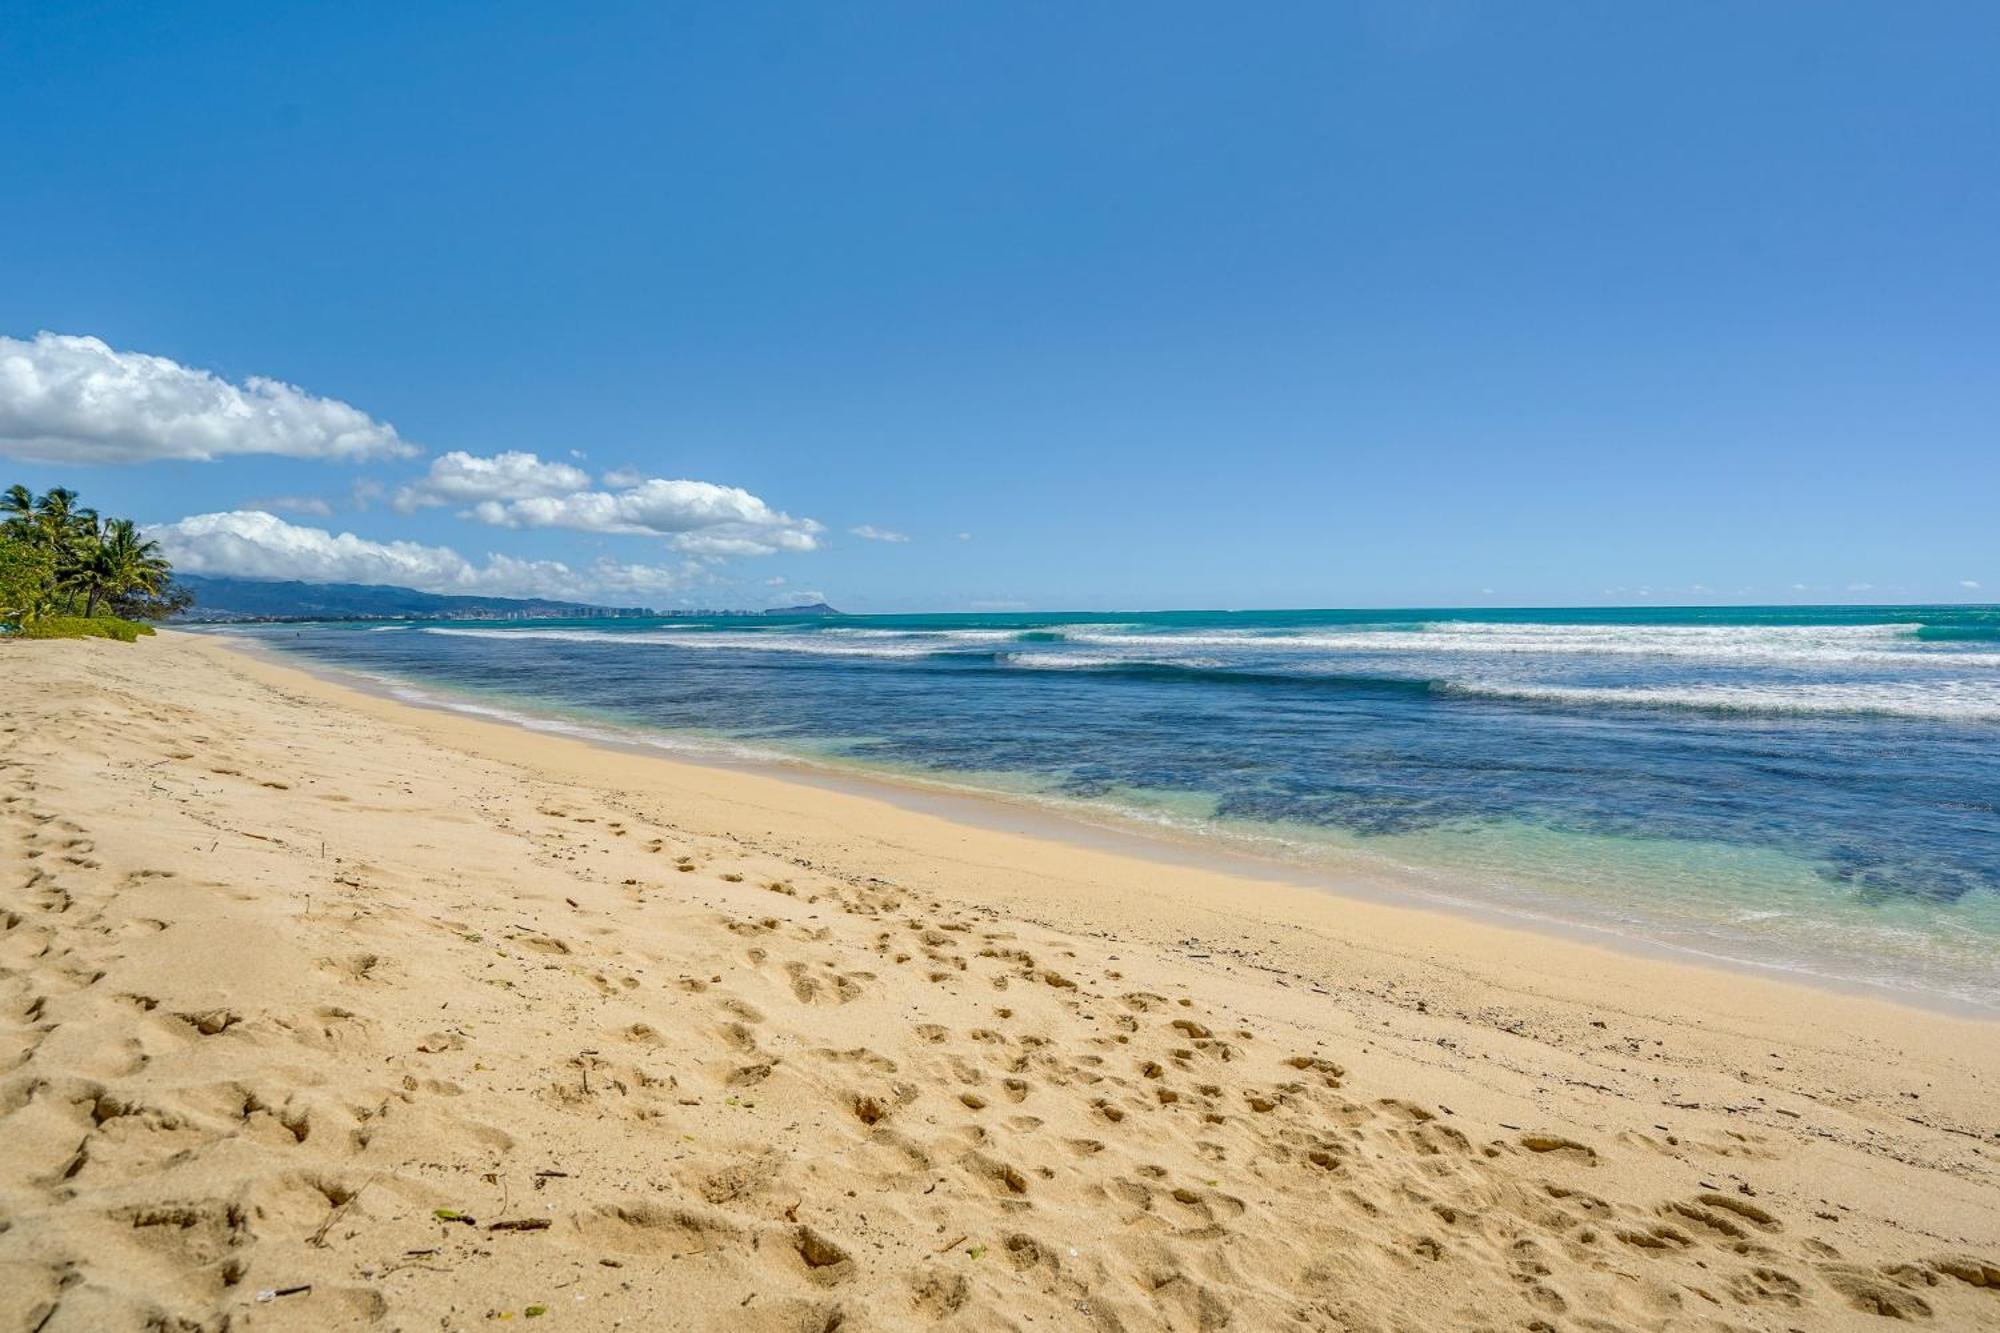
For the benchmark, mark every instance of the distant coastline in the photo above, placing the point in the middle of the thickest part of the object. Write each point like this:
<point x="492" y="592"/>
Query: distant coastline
<point x="223" y="600"/>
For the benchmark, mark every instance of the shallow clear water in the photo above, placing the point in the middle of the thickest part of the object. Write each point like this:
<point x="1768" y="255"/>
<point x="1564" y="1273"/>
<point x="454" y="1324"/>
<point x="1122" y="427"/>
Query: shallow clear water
<point x="1815" y="789"/>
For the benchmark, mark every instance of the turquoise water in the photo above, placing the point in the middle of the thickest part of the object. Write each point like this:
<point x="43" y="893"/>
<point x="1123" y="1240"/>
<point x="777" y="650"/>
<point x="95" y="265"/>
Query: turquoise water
<point x="1815" y="790"/>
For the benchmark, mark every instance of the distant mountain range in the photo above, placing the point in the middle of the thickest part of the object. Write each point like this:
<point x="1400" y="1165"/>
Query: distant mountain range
<point x="220" y="598"/>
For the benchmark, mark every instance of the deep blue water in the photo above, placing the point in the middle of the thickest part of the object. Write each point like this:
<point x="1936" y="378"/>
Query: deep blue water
<point x="1809" y="788"/>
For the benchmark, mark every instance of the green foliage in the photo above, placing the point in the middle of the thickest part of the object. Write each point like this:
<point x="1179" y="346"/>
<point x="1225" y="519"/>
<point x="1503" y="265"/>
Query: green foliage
<point x="118" y="562"/>
<point x="82" y="627"/>
<point x="168" y="602"/>
<point x="27" y="573"/>
<point x="60" y="565"/>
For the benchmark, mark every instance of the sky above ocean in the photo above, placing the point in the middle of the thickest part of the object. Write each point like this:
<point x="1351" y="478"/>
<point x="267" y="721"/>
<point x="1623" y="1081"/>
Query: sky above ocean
<point x="981" y="307"/>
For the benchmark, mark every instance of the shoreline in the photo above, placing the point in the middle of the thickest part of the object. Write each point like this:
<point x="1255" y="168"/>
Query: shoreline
<point x="421" y="1019"/>
<point x="1379" y="882"/>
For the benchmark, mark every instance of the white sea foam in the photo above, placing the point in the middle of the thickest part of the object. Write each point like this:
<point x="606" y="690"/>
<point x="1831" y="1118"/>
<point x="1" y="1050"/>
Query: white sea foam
<point x="1958" y="701"/>
<point x="558" y="635"/>
<point x="1774" y="645"/>
<point x="752" y="641"/>
<point x="675" y="742"/>
<point x="1941" y="699"/>
<point x="1096" y="661"/>
<point x="1802" y="645"/>
<point x="1475" y="659"/>
<point x="945" y="635"/>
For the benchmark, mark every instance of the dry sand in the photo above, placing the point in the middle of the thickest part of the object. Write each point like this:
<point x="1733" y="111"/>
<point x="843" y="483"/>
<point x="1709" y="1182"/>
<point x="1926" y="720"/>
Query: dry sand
<point x="433" y="1023"/>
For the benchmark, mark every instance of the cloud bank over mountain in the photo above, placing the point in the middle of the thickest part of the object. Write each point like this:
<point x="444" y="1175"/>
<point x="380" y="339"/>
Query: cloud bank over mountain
<point x="253" y="544"/>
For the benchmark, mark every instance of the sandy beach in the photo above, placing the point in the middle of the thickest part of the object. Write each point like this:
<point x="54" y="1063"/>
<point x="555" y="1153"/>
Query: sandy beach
<point x="318" y="1010"/>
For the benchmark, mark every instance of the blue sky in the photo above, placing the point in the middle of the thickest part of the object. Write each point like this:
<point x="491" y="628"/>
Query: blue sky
<point x="1098" y="306"/>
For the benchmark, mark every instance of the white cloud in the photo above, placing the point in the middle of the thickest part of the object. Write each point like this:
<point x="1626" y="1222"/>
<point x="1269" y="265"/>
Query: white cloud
<point x="622" y="478"/>
<point x="1861" y="587"/>
<point x="467" y="479"/>
<point x="698" y="517"/>
<point x="75" y="400"/>
<point x="1969" y="583"/>
<point x="965" y="536"/>
<point x="609" y="576"/>
<point x="520" y="490"/>
<point x="875" y="534"/>
<point x="252" y="544"/>
<point x="293" y="504"/>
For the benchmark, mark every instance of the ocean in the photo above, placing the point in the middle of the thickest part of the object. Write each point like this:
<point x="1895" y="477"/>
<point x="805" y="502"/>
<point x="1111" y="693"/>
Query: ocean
<point x="1810" y="790"/>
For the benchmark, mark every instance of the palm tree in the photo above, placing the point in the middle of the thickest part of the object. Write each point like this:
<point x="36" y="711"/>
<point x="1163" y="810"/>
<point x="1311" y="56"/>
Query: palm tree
<point x="116" y="562"/>
<point x="57" y="558"/>
<point x="17" y="502"/>
<point x="61" y="520"/>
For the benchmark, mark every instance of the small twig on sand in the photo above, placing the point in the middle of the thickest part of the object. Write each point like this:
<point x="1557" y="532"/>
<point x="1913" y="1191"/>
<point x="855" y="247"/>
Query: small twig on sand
<point x="318" y="1238"/>
<point x="402" y="1266"/>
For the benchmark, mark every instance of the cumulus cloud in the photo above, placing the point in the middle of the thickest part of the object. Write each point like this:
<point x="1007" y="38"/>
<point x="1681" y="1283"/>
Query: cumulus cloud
<point x="467" y="479"/>
<point x="252" y="544"/>
<point x="698" y="517"/>
<point x="521" y="490"/>
<point x="875" y="534"/>
<point x="609" y="577"/>
<point x="619" y="478"/>
<point x="293" y="504"/>
<point x="77" y="400"/>
<point x="1969" y="583"/>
